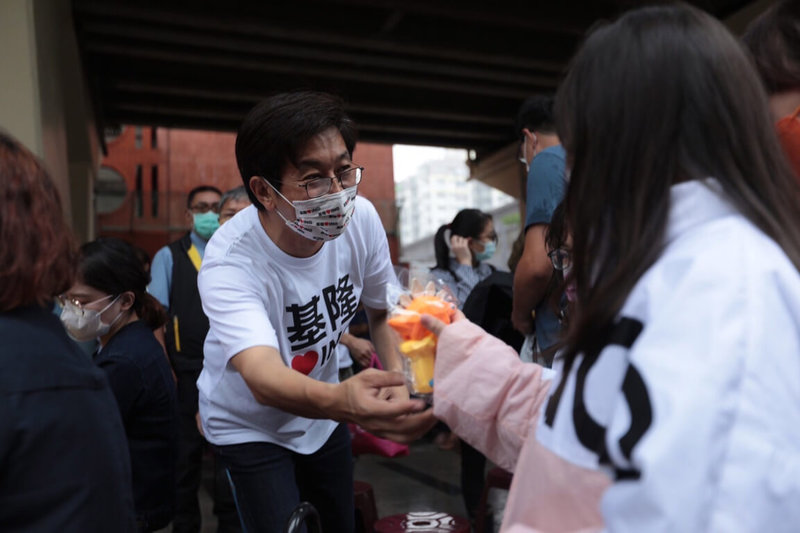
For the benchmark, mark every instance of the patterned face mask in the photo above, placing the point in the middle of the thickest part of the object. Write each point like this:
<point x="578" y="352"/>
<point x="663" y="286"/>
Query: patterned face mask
<point x="323" y="218"/>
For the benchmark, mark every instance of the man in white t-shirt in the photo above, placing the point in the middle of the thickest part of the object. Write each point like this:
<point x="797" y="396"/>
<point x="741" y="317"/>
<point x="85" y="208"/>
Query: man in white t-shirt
<point x="280" y="283"/>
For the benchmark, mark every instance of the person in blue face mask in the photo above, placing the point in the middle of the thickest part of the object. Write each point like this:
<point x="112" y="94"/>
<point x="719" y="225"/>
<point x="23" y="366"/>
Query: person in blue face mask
<point x="462" y="248"/>
<point x="174" y="284"/>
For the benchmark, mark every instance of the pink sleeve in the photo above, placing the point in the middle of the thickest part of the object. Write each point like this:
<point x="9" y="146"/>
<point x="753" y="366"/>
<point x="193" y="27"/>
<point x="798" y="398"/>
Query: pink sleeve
<point x="485" y="393"/>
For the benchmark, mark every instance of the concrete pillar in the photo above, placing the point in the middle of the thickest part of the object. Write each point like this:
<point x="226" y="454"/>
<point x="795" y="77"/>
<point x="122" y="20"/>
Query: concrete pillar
<point x="20" y="113"/>
<point x="44" y="101"/>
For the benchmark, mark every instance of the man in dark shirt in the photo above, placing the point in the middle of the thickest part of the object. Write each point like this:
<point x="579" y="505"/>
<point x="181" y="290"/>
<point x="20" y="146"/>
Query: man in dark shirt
<point x="174" y="284"/>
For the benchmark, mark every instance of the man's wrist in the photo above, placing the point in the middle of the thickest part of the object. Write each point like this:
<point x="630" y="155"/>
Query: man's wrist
<point x="346" y="340"/>
<point x="325" y="398"/>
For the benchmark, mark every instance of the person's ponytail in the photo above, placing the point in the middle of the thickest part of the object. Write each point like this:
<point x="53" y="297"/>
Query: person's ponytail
<point x="150" y="310"/>
<point x="441" y="249"/>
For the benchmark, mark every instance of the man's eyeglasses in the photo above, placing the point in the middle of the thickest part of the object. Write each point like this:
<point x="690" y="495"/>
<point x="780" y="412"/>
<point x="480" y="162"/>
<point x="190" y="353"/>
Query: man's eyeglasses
<point x="561" y="258"/>
<point x="203" y="207"/>
<point x="321" y="186"/>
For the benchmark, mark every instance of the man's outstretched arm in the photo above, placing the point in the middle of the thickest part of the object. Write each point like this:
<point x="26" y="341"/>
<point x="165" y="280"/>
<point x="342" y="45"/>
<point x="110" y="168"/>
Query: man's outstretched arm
<point x="531" y="278"/>
<point x="356" y="400"/>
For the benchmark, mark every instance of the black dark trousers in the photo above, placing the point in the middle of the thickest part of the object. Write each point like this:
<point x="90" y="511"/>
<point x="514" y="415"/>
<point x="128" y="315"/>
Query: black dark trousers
<point x="473" y="464"/>
<point x="190" y="468"/>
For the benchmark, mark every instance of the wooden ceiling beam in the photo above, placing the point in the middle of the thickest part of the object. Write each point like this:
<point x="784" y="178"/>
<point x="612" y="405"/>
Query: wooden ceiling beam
<point x="145" y="90"/>
<point x="513" y="15"/>
<point x="364" y="125"/>
<point x="158" y="14"/>
<point x="278" y="68"/>
<point x="145" y="35"/>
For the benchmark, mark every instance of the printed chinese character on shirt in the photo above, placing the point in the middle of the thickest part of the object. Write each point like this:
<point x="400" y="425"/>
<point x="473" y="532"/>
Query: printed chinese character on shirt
<point x="307" y="325"/>
<point x="340" y="301"/>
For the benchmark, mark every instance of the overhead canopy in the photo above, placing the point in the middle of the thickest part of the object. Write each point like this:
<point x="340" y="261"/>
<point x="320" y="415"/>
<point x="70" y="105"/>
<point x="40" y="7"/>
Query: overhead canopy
<point x="412" y="71"/>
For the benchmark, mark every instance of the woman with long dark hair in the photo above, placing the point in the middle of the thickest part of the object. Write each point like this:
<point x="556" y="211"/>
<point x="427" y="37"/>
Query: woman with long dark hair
<point x="63" y="458"/>
<point x="462" y="248"/>
<point x="109" y="302"/>
<point x="675" y="403"/>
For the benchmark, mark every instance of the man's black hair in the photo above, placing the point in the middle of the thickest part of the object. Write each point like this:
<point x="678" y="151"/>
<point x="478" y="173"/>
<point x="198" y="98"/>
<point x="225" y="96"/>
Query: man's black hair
<point x="276" y="130"/>
<point x="200" y="188"/>
<point x="536" y="114"/>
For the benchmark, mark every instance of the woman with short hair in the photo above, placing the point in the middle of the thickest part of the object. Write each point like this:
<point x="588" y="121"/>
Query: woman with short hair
<point x="63" y="457"/>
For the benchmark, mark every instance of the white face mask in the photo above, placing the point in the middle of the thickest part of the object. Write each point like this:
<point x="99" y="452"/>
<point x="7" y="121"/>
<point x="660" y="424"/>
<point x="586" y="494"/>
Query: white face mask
<point x="523" y="158"/>
<point x="85" y="324"/>
<point x="323" y="218"/>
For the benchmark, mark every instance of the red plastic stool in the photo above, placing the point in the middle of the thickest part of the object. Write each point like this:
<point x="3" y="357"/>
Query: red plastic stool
<point x="366" y="512"/>
<point x="422" y="522"/>
<point x="496" y="478"/>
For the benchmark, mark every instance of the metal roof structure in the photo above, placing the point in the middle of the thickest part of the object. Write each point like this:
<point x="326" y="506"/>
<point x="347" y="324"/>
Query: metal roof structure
<point x="429" y="72"/>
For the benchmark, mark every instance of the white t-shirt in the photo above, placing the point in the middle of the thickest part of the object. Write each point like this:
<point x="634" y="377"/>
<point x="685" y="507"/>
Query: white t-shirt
<point x="343" y="354"/>
<point x="254" y="294"/>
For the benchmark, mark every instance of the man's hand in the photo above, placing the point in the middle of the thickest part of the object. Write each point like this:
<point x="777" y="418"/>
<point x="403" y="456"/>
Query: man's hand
<point x="360" y="349"/>
<point x="378" y="402"/>
<point x="409" y="428"/>
<point x="460" y="248"/>
<point x="373" y="399"/>
<point x="399" y="392"/>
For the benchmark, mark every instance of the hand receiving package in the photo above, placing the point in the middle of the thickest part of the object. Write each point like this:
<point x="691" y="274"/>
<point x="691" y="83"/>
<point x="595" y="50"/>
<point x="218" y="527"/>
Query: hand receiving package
<point x="424" y="295"/>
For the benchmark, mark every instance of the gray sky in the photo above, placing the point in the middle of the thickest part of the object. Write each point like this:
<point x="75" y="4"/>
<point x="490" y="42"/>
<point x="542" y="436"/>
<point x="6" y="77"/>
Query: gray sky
<point x="408" y="158"/>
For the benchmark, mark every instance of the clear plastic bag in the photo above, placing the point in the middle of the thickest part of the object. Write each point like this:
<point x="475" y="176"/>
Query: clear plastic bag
<point x="418" y="293"/>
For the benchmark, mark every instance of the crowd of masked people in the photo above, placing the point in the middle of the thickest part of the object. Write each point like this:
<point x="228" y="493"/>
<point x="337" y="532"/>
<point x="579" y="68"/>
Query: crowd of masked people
<point x="637" y="370"/>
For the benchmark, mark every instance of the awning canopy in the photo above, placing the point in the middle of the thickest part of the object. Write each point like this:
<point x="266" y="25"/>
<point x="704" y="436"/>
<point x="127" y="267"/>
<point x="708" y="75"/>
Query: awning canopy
<point x="412" y="71"/>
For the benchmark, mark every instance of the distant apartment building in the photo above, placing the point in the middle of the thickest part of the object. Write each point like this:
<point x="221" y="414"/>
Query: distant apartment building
<point x="432" y="197"/>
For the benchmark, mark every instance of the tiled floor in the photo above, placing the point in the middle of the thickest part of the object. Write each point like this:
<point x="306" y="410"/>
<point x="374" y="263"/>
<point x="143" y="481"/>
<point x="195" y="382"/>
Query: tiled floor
<point x="426" y="480"/>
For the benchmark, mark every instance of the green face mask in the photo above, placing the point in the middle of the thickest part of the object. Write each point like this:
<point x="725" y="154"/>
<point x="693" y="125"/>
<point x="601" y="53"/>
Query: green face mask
<point x="205" y="224"/>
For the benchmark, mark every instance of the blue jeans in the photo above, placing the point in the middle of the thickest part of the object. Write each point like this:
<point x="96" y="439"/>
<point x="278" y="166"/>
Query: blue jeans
<point x="271" y="481"/>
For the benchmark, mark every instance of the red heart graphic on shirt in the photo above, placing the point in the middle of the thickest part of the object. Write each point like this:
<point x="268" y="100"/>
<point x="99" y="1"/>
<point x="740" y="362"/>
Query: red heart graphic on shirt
<point x="305" y="363"/>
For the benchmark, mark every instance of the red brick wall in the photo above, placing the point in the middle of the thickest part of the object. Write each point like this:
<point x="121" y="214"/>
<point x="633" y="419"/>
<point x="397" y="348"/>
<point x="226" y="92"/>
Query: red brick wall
<point x="201" y="158"/>
<point x="186" y="159"/>
<point x="378" y="186"/>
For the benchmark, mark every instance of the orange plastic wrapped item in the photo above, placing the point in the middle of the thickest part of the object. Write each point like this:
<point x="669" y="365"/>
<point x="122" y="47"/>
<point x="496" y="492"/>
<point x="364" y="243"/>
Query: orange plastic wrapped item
<point x="418" y="345"/>
<point x="407" y="323"/>
<point x="421" y="355"/>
